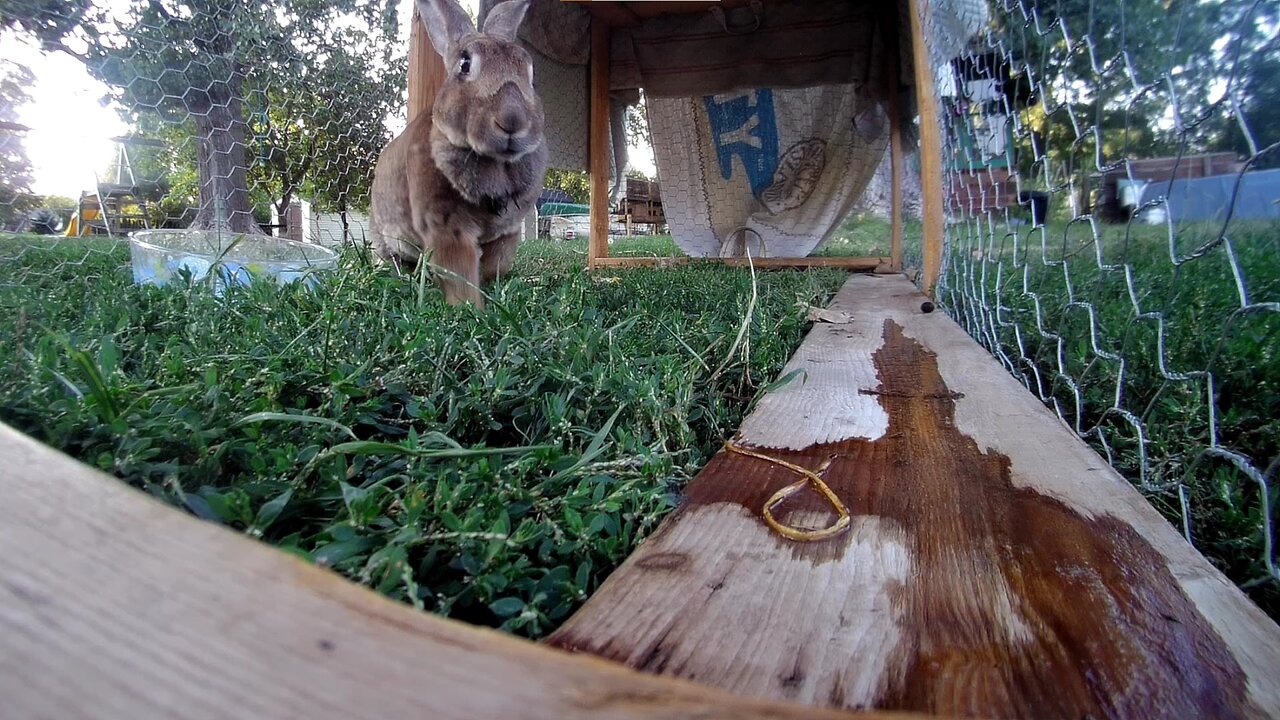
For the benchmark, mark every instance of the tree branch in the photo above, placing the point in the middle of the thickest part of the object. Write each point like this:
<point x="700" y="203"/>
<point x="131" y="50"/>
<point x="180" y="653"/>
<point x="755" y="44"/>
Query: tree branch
<point x="58" y="46"/>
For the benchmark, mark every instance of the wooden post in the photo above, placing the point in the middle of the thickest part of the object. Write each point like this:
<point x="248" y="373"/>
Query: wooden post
<point x="598" y="143"/>
<point x="930" y="146"/>
<point x="895" y="196"/>
<point x="426" y="70"/>
<point x="897" y="169"/>
<point x="628" y="224"/>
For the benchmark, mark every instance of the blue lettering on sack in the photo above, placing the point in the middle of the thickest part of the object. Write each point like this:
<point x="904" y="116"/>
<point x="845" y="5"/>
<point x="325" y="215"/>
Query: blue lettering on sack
<point x="744" y="126"/>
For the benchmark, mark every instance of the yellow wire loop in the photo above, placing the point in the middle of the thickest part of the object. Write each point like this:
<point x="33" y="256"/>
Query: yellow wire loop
<point x="799" y="534"/>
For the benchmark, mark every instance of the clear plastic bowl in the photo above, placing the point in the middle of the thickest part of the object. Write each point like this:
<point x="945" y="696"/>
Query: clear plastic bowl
<point x="236" y="259"/>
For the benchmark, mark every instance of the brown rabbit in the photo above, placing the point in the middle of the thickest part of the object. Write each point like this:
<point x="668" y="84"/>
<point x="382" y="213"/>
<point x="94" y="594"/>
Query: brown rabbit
<point x="457" y="183"/>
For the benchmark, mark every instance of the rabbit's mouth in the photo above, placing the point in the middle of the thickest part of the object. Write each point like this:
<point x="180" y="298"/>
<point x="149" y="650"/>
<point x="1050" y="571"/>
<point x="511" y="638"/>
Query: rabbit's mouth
<point x="508" y="148"/>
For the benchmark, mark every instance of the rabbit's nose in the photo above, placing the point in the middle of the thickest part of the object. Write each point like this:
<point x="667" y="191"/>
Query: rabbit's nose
<point x="510" y="122"/>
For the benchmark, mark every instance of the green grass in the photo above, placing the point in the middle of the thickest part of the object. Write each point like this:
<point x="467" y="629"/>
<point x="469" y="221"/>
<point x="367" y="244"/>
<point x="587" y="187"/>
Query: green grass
<point x="492" y="466"/>
<point x="869" y="237"/>
<point x="1054" y="282"/>
<point x="855" y="237"/>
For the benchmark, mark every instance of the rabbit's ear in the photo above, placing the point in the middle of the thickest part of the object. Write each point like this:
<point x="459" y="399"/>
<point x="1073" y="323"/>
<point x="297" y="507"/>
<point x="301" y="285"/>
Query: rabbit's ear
<point x="505" y="18"/>
<point x="446" y="22"/>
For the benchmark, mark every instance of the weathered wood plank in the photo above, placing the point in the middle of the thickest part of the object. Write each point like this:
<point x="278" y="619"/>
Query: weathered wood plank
<point x="113" y="605"/>
<point x="598" y="143"/>
<point x="996" y="566"/>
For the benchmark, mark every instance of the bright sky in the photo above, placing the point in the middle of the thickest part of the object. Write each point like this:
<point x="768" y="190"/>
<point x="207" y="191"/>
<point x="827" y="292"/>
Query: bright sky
<point x="71" y="130"/>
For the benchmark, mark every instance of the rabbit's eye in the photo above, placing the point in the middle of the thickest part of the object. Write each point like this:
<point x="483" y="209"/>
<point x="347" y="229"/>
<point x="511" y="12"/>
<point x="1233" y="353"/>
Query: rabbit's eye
<point x="464" y="65"/>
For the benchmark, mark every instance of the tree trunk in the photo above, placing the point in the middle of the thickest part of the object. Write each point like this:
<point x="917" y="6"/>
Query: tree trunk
<point x="282" y="211"/>
<point x="220" y="156"/>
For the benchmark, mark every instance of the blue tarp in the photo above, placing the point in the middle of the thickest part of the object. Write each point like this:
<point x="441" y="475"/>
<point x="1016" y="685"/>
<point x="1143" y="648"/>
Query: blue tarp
<point x="1256" y="198"/>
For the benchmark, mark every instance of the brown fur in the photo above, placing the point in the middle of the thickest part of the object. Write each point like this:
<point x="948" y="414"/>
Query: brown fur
<point x="458" y="182"/>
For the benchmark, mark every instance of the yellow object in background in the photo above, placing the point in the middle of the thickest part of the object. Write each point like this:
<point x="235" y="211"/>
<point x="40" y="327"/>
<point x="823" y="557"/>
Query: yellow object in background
<point x="76" y="226"/>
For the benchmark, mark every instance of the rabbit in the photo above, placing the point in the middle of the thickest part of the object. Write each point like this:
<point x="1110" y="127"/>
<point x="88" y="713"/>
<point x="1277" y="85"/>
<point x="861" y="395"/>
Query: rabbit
<point x="458" y="182"/>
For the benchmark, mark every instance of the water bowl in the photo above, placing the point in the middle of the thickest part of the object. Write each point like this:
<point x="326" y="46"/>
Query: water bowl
<point x="159" y="256"/>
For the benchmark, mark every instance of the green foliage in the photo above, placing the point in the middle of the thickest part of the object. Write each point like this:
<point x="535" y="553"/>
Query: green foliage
<point x="61" y="205"/>
<point x="1260" y="89"/>
<point x="1109" y="79"/>
<point x="47" y="20"/>
<point x="16" y="199"/>
<point x="324" y="143"/>
<point x="270" y="95"/>
<point x="575" y="183"/>
<point x="492" y="466"/>
<point x="637" y="121"/>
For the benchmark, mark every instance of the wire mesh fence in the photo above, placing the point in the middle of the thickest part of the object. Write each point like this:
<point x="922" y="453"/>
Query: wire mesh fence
<point x="238" y="110"/>
<point x="1113" y="238"/>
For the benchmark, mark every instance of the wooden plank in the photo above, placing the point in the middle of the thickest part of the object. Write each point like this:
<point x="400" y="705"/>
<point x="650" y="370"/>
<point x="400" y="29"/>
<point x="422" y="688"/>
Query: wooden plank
<point x="113" y="605"/>
<point x="598" y="144"/>
<point x="426" y="69"/>
<point x="1188" y="167"/>
<point x="995" y="565"/>
<point x="877" y="264"/>
<point x="930" y="147"/>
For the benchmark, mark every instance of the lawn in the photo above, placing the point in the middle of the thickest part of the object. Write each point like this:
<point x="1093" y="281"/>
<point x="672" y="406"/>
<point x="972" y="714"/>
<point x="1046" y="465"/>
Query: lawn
<point x="1068" y="326"/>
<point x="492" y="466"/>
<point x="857" y="236"/>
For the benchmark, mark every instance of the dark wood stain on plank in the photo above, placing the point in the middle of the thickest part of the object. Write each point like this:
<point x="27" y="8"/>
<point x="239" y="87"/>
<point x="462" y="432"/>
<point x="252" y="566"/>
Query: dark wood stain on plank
<point x="1018" y="606"/>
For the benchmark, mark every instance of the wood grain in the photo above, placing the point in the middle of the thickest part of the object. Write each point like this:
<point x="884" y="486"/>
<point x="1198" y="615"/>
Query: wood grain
<point x="113" y="605"/>
<point x="996" y="566"/>
<point x="932" y="198"/>
<point x="598" y="143"/>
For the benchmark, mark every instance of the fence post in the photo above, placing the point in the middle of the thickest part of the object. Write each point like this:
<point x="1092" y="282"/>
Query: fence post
<point x="598" y="139"/>
<point x="896" y="167"/>
<point x="530" y="226"/>
<point x="930" y="146"/>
